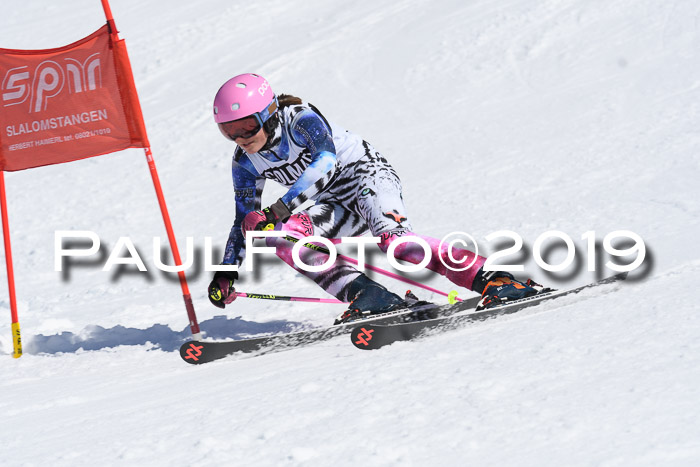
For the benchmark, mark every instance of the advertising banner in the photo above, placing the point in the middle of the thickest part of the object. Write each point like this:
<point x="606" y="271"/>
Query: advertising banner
<point x="70" y="103"/>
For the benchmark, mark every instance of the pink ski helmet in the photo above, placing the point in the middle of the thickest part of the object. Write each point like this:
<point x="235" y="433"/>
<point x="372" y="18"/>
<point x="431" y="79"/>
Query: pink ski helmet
<point x="243" y="104"/>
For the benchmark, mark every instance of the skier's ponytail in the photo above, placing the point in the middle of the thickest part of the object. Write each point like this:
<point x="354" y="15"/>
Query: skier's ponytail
<point x="284" y="100"/>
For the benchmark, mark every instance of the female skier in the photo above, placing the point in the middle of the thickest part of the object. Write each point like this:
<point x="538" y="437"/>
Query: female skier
<point x="354" y="188"/>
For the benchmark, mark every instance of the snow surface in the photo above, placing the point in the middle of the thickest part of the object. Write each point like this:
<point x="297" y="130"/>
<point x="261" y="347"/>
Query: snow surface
<point x="529" y="116"/>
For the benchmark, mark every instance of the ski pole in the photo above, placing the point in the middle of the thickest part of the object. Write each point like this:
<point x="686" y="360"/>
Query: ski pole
<point x="452" y="296"/>
<point x="286" y="298"/>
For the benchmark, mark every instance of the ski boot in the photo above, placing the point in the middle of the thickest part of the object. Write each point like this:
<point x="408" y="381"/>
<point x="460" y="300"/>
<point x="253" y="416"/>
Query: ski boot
<point x="498" y="288"/>
<point x="368" y="298"/>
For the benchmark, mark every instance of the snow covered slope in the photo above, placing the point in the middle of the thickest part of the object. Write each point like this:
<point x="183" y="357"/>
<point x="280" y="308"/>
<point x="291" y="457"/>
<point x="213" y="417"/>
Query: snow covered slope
<point x="528" y="116"/>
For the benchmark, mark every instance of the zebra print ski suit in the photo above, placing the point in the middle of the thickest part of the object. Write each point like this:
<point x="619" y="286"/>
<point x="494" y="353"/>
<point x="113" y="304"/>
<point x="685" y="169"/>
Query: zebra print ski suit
<point x="354" y="188"/>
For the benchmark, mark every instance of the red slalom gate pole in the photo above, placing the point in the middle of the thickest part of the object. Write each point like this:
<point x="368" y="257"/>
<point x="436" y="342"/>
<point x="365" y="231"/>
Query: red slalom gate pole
<point x="194" y="325"/>
<point x="108" y="15"/>
<point x="16" y="337"/>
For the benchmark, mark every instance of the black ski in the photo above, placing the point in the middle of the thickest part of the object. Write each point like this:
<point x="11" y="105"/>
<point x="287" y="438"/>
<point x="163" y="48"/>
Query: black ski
<point x="369" y="336"/>
<point x="198" y="352"/>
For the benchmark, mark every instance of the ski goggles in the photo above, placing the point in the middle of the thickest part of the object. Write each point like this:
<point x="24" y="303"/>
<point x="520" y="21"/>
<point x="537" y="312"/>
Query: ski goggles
<point x="242" y="128"/>
<point x="247" y="127"/>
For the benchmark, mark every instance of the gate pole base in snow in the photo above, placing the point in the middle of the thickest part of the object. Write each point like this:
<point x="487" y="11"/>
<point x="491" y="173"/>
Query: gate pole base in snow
<point x="16" y="337"/>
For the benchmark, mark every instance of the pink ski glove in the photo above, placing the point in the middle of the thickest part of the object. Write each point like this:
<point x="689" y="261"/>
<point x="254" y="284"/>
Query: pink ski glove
<point x="221" y="290"/>
<point x="266" y="219"/>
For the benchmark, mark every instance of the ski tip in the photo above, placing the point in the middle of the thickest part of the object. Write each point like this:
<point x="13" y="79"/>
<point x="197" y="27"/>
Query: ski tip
<point x="192" y="352"/>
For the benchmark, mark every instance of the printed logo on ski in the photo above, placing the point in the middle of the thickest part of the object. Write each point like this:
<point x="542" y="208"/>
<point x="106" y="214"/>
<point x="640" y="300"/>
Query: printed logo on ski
<point x="364" y="336"/>
<point x="194" y="356"/>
